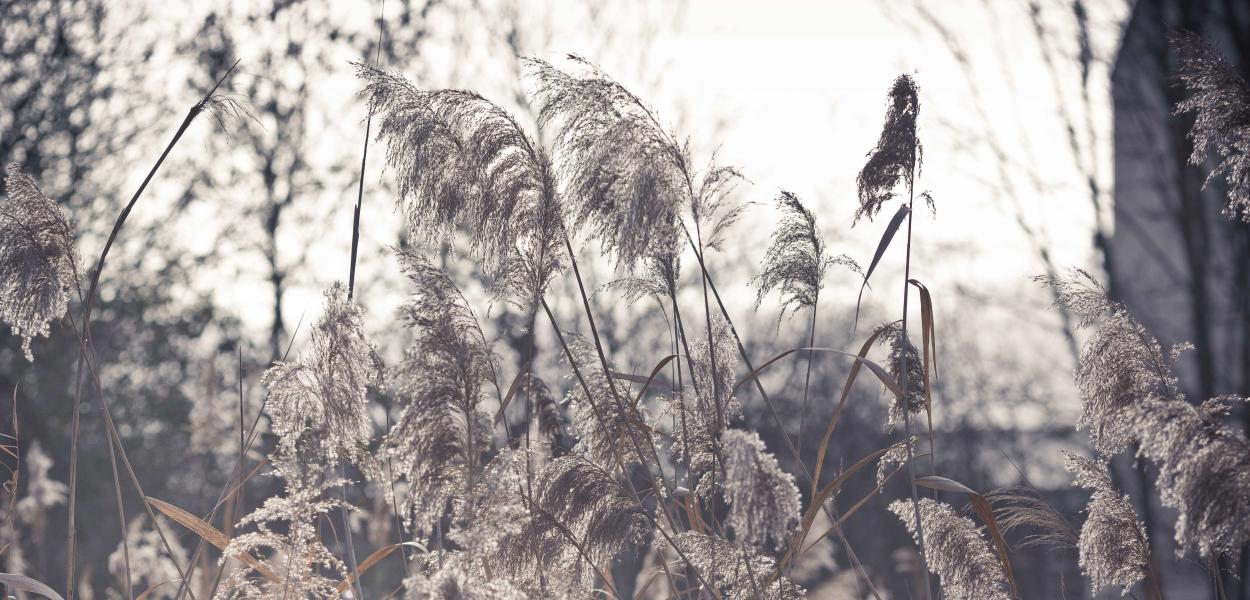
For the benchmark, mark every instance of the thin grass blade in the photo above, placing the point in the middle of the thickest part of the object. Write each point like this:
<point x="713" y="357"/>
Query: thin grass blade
<point x="886" y="237"/>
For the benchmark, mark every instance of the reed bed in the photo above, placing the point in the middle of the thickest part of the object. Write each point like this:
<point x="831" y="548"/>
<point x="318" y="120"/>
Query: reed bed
<point x="604" y="465"/>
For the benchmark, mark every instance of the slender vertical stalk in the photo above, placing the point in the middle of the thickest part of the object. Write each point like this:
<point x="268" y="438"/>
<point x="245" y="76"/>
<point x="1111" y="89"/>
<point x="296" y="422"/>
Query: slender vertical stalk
<point x="807" y="381"/>
<point x="903" y="382"/>
<point x="716" y="394"/>
<point x="679" y="343"/>
<point x="358" y="589"/>
<point x="620" y="461"/>
<point x="121" y="516"/>
<point x="364" y="157"/>
<point x="73" y="482"/>
<point x="529" y="418"/>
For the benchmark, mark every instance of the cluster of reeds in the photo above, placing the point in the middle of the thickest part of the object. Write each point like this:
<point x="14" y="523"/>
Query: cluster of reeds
<point x="543" y="504"/>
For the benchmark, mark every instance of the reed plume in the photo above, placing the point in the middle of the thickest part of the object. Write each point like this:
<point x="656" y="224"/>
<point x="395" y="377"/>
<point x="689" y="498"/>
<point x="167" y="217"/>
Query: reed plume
<point x="461" y="161"/>
<point x="906" y="367"/>
<point x="601" y="429"/>
<point x="763" y="500"/>
<point x="898" y="154"/>
<point x="38" y="263"/>
<point x="738" y="570"/>
<point x="626" y="176"/>
<point x="1204" y="471"/>
<point x="450" y="580"/>
<point x="1219" y="99"/>
<point x="896" y="456"/>
<point x="319" y="402"/>
<point x="491" y="553"/>
<point x="1114" y="546"/>
<point x="955" y="551"/>
<point x="705" y="415"/>
<point x="584" y="517"/>
<point x="797" y="258"/>
<point x="1130" y="395"/>
<point x="1022" y="508"/>
<point x="1121" y="364"/>
<point x="656" y="280"/>
<point x="443" y="430"/>
<point x="287" y="533"/>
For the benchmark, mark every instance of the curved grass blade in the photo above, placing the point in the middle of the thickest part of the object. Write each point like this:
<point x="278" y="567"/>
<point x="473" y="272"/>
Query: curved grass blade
<point x="876" y="369"/>
<point x="374" y="559"/>
<point x="983" y="510"/>
<point x="837" y="413"/>
<point x="26" y="584"/>
<point x="886" y="237"/>
<point x="929" y="349"/>
<point x="854" y="509"/>
<point x="210" y="534"/>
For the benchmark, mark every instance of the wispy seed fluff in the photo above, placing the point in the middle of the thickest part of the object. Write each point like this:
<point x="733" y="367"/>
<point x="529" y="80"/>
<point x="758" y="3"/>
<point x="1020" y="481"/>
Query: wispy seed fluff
<point x="703" y="415"/>
<point x="446" y="577"/>
<point x="286" y="530"/>
<point x="462" y="161"/>
<point x="1114" y="551"/>
<point x="1120" y="365"/>
<point x="898" y="153"/>
<point x="894" y="457"/>
<point x="797" y="259"/>
<point x="955" y="551"/>
<point x="491" y="541"/>
<point x="763" y="501"/>
<point x="1204" y="471"/>
<point x="625" y="174"/>
<point x="319" y="402"/>
<point x="573" y="496"/>
<point x="443" y="429"/>
<point x="906" y="367"/>
<point x="1219" y="99"/>
<point x="38" y="264"/>
<point x="739" y="571"/>
<point x="1129" y="393"/>
<point x="601" y="429"/>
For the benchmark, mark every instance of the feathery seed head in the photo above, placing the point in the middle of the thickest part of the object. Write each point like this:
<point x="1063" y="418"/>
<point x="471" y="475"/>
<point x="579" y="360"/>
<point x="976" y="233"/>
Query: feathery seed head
<point x="706" y="412"/>
<point x="443" y="429"/>
<point x="627" y="177"/>
<point x="1018" y="508"/>
<point x="601" y="430"/>
<point x="898" y="153"/>
<point x="574" y="493"/>
<point x="462" y="161"/>
<point x="906" y="367"/>
<point x="739" y="570"/>
<point x="797" y="258"/>
<point x="1204" y="471"/>
<point x="763" y="500"/>
<point x="1220" y="102"/>
<point x="1113" y="543"/>
<point x="38" y="264"/>
<point x="319" y="403"/>
<point x="1120" y="365"/>
<point x="895" y="456"/>
<point x="955" y="551"/>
